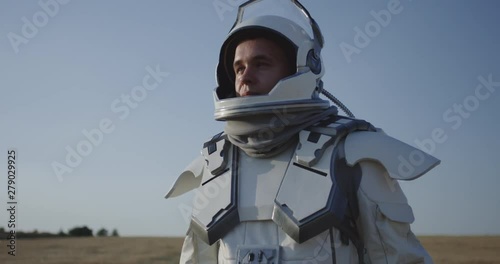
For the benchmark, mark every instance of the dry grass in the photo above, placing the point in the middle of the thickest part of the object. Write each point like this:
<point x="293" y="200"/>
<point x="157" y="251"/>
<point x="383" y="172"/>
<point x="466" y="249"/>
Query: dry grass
<point x="127" y="250"/>
<point x="474" y="250"/>
<point x="463" y="249"/>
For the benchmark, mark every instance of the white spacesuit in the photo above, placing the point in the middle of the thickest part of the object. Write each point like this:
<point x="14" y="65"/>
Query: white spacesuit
<point x="289" y="180"/>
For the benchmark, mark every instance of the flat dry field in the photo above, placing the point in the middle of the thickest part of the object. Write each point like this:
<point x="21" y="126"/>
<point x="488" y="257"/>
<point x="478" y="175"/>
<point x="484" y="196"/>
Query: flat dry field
<point x="128" y="250"/>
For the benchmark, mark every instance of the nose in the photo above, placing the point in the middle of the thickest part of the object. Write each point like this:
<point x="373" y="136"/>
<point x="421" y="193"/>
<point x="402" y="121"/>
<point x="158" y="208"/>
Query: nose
<point x="248" y="76"/>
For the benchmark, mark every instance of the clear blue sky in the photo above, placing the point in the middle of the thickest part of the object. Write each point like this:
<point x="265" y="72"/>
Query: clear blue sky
<point x="76" y="65"/>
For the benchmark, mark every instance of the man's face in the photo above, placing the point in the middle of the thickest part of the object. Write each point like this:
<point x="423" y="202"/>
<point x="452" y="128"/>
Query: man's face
<point x="258" y="65"/>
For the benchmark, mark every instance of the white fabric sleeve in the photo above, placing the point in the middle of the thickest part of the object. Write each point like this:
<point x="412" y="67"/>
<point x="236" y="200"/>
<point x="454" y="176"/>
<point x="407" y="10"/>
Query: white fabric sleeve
<point x="195" y="251"/>
<point x="385" y="218"/>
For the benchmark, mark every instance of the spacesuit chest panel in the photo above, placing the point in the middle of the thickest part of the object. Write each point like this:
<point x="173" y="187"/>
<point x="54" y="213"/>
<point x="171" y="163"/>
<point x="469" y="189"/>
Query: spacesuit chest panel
<point x="304" y="201"/>
<point x="313" y="196"/>
<point x="215" y="203"/>
<point x="297" y="189"/>
<point x="258" y="184"/>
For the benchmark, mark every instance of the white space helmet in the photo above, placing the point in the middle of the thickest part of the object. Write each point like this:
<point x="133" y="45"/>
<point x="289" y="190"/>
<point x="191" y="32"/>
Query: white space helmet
<point x="289" y="24"/>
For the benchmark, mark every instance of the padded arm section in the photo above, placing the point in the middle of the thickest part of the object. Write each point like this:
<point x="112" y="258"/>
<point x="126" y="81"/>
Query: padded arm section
<point x="189" y="179"/>
<point x="402" y="161"/>
<point x="194" y="250"/>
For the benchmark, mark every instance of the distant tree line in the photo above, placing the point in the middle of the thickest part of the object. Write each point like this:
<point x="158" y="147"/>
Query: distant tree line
<point x="79" y="231"/>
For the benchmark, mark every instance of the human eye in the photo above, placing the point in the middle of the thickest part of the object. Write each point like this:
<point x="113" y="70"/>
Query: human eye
<point x="263" y="63"/>
<point x="238" y="69"/>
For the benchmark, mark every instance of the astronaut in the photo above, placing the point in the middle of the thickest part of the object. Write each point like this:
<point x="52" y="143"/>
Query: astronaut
<point x="290" y="180"/>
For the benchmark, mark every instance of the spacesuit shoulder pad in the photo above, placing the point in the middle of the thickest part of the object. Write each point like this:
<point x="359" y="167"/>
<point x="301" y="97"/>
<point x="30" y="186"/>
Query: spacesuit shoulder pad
<point x="189" y="179"/>
<point x="402" y="161"/>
